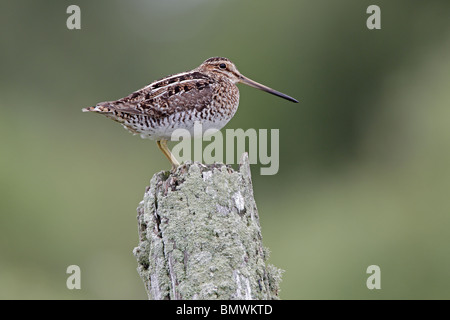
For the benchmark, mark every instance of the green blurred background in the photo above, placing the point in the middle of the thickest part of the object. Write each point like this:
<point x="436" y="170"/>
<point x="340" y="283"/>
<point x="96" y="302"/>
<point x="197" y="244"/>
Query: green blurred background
<point x="364" y="157"/>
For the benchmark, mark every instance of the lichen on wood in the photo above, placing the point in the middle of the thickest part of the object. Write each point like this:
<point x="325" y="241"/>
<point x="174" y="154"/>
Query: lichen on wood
<point x="200" y="236"/>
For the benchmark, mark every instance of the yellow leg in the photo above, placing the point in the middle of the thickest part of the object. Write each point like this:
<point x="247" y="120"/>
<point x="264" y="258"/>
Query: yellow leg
<point x="162" y="145"/>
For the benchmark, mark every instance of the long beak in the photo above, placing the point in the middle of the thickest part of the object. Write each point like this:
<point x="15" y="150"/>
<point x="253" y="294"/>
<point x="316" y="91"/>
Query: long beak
<point x="262" y="87"/>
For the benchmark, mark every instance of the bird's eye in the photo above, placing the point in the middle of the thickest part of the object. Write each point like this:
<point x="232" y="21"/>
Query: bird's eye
<point x="222" y="66"/>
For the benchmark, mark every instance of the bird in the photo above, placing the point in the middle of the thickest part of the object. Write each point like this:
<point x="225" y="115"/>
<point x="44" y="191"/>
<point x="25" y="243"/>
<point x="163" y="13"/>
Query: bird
<point x="207" y="95"/>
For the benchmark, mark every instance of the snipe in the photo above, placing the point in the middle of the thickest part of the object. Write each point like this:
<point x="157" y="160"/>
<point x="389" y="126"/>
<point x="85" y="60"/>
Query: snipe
<point x="207" y="94"/>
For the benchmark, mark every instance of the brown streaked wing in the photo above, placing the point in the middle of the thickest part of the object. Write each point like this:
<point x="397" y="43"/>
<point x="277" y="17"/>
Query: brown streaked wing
<point x="165" y="101"/>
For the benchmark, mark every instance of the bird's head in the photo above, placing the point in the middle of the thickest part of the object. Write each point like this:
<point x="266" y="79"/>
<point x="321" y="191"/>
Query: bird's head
<point x="223" y="67"/>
